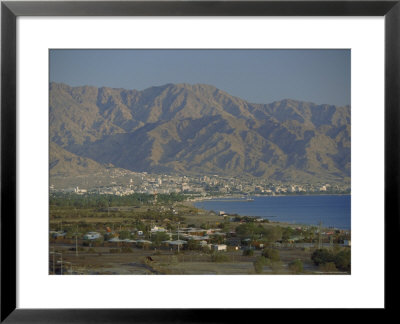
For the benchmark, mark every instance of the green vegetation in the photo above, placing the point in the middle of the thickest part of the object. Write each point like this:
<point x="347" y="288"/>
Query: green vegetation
<point x="259" y="264"/>
<point x="194" y="245"/>
<point x="328" y="267"/>
<point x="158" y="237"/>
<point x="89" y="200"/>
<point x="219" y="257"/>
<point x="254" y="231"/>
<point x="135" y="223"/>
<point x="124" y="235"/>
<point x="296" y="266"/>
<point x="248" y="252"/>
<point x="271" y="254"/>
<point x="126" y="249"/>
<point x="341" y="258"/>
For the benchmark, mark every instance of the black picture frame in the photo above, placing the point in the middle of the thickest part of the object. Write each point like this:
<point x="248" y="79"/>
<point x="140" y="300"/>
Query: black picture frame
<point x="10" y="10"/>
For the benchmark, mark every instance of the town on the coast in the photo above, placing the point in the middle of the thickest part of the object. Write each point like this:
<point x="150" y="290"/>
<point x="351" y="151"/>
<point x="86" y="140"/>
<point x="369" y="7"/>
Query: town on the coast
<point x="169" y="162"/>
<point x="123" y="182"/>
<point x="126" y="222"/>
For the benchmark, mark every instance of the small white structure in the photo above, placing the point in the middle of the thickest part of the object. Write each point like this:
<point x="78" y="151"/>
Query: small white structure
<point x="219" y="247"/>
<point x="91" y="236"/>
<point x="143" y="242"/>
<point x="117" y="239"/>
<point x="157" y="229"/>
<point x="176" y="242"/>
<point x="57" y="234"/>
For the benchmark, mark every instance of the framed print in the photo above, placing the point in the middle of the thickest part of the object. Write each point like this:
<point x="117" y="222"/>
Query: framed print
<point x="176" y="155"/>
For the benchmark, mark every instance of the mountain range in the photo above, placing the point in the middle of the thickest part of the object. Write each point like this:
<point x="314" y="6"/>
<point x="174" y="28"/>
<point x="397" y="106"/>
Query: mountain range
<point x="196" y="129"/>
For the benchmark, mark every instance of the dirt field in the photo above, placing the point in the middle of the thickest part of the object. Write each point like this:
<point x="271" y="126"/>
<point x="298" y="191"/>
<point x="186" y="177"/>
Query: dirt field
<point x="100" y="260"/>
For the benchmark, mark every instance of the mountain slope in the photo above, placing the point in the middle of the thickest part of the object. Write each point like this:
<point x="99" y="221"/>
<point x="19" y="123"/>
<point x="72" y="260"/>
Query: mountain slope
<point x="64" y="163"/>
<point x="199" y="129"/>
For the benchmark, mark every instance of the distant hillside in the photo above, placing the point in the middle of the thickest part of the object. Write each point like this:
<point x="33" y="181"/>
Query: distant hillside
<point x="64" y="163"/>
<point x="199" y="129"/>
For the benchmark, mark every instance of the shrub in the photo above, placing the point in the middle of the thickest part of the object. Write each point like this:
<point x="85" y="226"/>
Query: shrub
<point x="126" y="249"/>
<point x="343" y="260"/>
<point x="328" y="267"/>
<point x="322" y="256"/>
<point x="80" y="249"/>
<point x="193" y="245"/>
<point x="276" y="266"/>
<point x="271" y="254"/>
<point x="296" y="266"/>
<point x="124" y="235"/>
<point x="219" y="257"/>
<point x="259" y="264"/>
<point x="248" y="252"/>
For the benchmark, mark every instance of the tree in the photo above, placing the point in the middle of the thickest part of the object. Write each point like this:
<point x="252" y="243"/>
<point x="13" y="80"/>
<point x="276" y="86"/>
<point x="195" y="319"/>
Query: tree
<point x="248" y="252"/>
<point x="259" y="264"/>
<point x="193" y="245"/>
<point x="343" y="260"/>
<point x="271" y="254"/>
<point x="287" y="233"/>
<point x="296" y="266"/>
<point x="158" y="237"/>
<point x="124" y="235"/>
<point x="219" y="257"/>
<point x="328" y="267"/>
<point x="273" y="234"/>
<point x="322" y="256"/>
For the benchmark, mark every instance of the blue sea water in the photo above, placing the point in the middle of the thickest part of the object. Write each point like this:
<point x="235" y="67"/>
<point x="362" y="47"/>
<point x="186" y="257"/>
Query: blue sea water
<point x="331" y="210"/>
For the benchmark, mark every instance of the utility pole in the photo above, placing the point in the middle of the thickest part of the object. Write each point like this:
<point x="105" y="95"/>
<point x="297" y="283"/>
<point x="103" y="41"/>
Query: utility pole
<point x="76" y="244"/>
<point x="319" y="235"/>
<point x="54" y="260"/>
<point x="61" y="264"/>
<point x="178" y="237"/>
<point x="70" y="264"/>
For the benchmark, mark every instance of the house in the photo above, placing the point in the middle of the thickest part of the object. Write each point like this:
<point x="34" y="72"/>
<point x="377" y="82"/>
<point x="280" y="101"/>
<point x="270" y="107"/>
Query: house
<point x="143" y="243"/>
<point x="157" y="229"/>
<point x="219" y="247"/>
<point x="175" y="244"/>
<point x="58" y="235"/>
<point x="91" y="236"/>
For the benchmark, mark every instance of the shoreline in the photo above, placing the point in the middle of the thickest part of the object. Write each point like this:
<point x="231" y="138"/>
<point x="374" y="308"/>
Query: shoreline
<point x="240" y="197"/>
<point x="270" y="221"/>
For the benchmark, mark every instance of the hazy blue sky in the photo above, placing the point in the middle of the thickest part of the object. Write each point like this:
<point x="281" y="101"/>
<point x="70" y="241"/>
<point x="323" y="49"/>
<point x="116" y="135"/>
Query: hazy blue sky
<point x="258" y="76"/>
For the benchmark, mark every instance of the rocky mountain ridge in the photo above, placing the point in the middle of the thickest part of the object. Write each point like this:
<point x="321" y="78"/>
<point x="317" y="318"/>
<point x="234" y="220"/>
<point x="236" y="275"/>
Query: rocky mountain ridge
<point x="199" y="129"/>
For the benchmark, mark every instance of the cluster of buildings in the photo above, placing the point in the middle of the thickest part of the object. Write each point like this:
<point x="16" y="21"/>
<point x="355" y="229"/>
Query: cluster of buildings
<point x="200" y="185"/>
<point x="178" y="239"/>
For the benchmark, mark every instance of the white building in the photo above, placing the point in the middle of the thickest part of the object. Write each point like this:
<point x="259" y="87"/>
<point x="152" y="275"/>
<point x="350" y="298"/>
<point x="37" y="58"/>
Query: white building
<point x="157" y="229"/>
<point x="219" y="247"/>
<point x="91" y="236"/>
